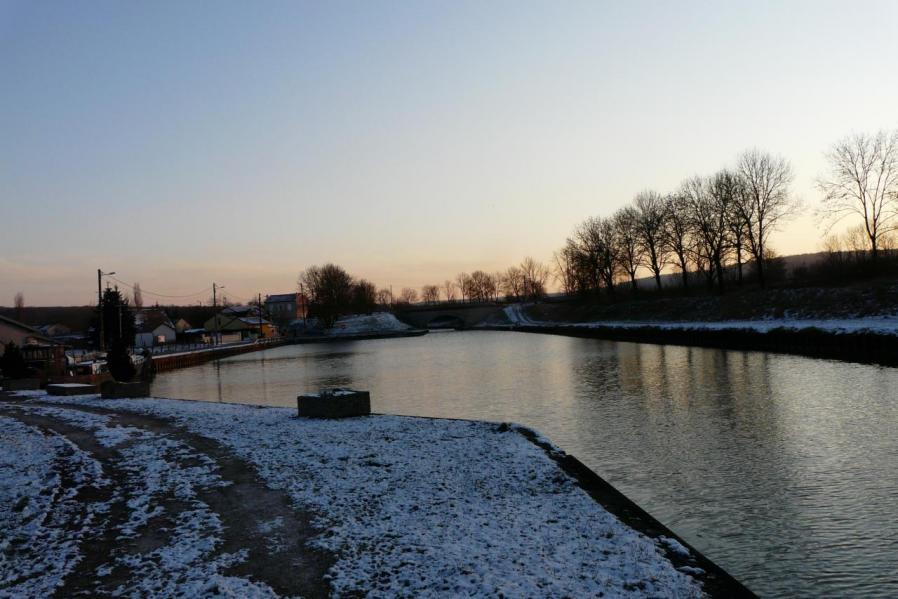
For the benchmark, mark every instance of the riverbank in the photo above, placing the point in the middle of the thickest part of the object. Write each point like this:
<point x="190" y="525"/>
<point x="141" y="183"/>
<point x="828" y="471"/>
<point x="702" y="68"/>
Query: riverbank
<point x="358" y="327"/>
<point x="359" y="336"/>
<point x="866" y="340"/>
<point x="173" y="496"/>
<point x="164" y="362"/>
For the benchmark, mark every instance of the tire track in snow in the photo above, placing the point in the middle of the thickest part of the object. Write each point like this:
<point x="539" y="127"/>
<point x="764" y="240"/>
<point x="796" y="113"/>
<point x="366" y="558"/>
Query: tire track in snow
<point x="258" y="524"/>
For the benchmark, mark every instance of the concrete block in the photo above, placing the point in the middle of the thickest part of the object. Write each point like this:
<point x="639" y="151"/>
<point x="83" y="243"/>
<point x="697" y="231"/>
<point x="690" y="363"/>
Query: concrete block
<point x="334" y="403"/>
<point x="119" y="390"/>
<point x="71" y="389"/>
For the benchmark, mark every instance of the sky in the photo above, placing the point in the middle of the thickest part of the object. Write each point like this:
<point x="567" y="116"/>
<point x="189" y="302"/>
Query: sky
<point x="181" y="143"/>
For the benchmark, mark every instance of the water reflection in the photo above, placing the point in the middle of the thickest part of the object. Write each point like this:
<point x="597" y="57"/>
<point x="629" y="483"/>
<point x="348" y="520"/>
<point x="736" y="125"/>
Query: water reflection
<point x="782" y="469"/>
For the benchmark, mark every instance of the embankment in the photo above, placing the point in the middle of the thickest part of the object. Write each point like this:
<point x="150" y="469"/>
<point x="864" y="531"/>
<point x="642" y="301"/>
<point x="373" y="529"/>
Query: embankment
<point x="165" y="362"/>
<point x="358" y="336"/>
<point x="434" y="506"/>
<point x="857" y="346"/>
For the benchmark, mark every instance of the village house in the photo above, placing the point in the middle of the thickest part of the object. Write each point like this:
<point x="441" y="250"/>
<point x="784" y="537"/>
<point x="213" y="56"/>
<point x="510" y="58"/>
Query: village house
<point x="181" y="325"/>
<point x="55" y="330"/>
<point x="153" y="327"/>
<point x="40" y="352"/>
<point x="20" y="333"/>
<point x="240" y="323"/>
<point x="284" y="308"/>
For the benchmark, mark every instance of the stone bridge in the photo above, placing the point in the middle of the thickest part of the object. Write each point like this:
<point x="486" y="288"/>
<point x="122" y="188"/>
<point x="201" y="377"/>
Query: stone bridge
<point x="447" y="316"/>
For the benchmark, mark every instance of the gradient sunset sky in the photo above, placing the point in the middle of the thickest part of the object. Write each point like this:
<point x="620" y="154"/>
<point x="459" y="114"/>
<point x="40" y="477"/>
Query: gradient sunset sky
<point x="179" y="143"/>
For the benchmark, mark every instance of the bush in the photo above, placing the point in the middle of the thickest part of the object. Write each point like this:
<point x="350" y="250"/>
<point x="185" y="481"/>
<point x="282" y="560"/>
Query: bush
<point x="118" y="361"/>
<point x="12" y="363"/>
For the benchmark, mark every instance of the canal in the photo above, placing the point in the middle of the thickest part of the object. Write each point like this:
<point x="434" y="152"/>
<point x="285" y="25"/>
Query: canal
<point x="781" y="469"/>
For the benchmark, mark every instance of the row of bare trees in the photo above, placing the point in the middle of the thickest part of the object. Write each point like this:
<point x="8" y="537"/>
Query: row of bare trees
<point x="527" y="280"/>
<point x="713" y="225"/>
<point x="708" y="224"/>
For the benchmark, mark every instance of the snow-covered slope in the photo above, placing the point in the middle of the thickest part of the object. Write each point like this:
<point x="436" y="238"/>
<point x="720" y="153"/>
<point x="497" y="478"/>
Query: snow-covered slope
<point x="517" y="315"/>
<point x="365" y="324"/>
<point x="421" y="507"/>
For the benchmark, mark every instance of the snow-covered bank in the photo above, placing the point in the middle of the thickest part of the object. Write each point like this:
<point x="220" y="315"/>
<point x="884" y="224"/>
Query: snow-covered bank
<point x="882" y="325"/>
<point x="406" y="506"/>
<point x="367" y="324"/>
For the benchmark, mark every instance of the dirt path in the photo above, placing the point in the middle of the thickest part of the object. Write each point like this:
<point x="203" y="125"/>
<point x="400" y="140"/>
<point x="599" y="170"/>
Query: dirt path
<point x="255" y="519"/>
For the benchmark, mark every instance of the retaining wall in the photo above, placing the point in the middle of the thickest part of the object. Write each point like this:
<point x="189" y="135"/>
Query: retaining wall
<point x="865" y="347"/>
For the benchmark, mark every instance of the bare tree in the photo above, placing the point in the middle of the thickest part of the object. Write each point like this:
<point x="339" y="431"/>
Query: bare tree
<point x="19" y="304"/>
<point x="566" y="262"/>
<point x="462" y="280"/>
<point x="430" y="294"/>
<point x="138" y="296"/>
<point x="384" y="298"/>
<point x="364" y="297"/>
<point x="449" y="290"/>
<point x="738" y="231"/>
<point x="535" y="276"/>
<point x="763" y="200"/>
<point x="481" y="286"/>
<point x="512" y="283"/>
<point x="330" y="290"/>
<point x="856" y="241"/>
<point x="863" y="181"/>
<point x="710" y="202"/>
<point x="497" y="285"/>
<point x="650" y="220"/>
<point x="589" y="248"/>
<point x="696" y="206"/>
<point x="408" y="295"/>
<point x="609" y="262"/>
<point x="628" y="248"/>
<point x="677" y="232"/>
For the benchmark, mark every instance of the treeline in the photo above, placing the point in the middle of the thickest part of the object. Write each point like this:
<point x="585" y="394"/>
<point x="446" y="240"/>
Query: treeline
<point x="706" y="225"/>
<point x="332" y="292"/>
<point x="526" y="280"/>
<point x="717" y="224"/>
<point x="716" y="228"/>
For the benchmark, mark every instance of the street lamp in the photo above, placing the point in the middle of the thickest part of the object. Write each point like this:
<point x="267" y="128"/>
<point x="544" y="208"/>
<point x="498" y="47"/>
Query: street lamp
<point x="215" y="288"/>
<point x="100" y="275"/>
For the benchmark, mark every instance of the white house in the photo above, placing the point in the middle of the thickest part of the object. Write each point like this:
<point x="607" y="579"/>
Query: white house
<point x="154" y="327"/>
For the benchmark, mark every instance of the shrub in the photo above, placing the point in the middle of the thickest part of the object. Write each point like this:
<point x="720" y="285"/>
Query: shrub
<point x="12" y="363"/>
<point x="119" y="362"/>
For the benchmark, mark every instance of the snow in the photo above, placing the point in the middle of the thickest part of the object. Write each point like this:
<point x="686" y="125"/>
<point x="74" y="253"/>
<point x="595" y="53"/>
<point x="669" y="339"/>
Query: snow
<point x="364" y="324"/>
<point x="674" y="545"/>
<point x="158" y="469"/>
<point x="73" y="385"/>
<point x="36" y="550"/>
<point x="336" y="392"/>
<point x="409" y="506"/>
<point x="884" y="325"/>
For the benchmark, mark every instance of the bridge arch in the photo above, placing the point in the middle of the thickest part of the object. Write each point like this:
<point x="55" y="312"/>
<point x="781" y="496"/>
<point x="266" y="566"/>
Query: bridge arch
<point x="464" y="316"/>
<point x="446" y="321"/>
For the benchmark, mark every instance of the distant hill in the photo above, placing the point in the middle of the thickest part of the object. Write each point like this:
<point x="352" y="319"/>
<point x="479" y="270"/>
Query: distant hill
<point x="77" y="318"/>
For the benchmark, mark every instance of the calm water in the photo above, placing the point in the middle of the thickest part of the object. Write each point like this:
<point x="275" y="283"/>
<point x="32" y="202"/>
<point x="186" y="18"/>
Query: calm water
<point x="781" y="469"/>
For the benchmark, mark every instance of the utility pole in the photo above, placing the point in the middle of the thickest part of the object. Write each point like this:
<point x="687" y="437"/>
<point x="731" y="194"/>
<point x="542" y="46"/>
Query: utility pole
<point x="302" y="303"/>
<point x="261" y="331"/>
<point x="215" y="312"/>
<point x="100" y="274"/>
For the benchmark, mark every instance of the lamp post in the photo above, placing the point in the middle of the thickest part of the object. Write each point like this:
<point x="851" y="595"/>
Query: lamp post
<point x="100" y="275"/>
<point x="215" y="288"/>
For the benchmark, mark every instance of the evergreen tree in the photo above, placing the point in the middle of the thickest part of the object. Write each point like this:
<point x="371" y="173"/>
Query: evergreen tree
<point x="118" y="320"/>
<point x="119" y="362"/>
<point x="12" y="363"/>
